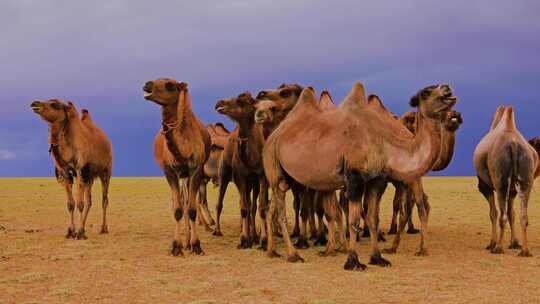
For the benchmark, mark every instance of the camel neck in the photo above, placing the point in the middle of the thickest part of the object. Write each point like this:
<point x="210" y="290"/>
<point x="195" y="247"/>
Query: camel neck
<point x="448" y="141"/>
<point x="245" y="128"/>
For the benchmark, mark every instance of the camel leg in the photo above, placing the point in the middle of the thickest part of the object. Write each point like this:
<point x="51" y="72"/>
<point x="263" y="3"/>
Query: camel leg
<point x="355" y="190"/>
<point x="344" y="203"/>
<point x="502" y="199"/>
<point x="524" y="194"/>
<point x="410" y="225"/>
<point x="396" y="206"/>
<point x="418" y="195"/>
<point x="204" y="211"/>
<point x="105" y="180"/>
<point x="330" y="211"/>
<point x="374" y="190"/>
<point x="321" y="227"/>
<point x="308" y="204"/>
<point x="255" y="188"/>
<point x="177" y="209"/>
<point x="514" y="244"/>
<point x="342" y="227"/>
<point x="263" y="208"/>
<point x="306" y="201"/>
<point x="194" y="185"/>
<point x="184" y="196"/>
<point x="296" y="205"/>
<point x="70" y="207"/>
<point x="243" y="189"/>
<point x="404" y="214"/>
<point x="365" y="209"/>
<point x="87" y="192"/>
<point x="224" y="179"/>
<point x="487" y="192"/>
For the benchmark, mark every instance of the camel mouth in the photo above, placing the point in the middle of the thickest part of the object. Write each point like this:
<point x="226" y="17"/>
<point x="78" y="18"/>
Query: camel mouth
<point x="36" y="109"/>
<point x="147" y="95"/>
<point x="221" y="110"/>
<point x="260" y="120"/>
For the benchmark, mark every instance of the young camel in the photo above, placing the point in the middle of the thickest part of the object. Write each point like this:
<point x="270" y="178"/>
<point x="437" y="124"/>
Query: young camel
<point x="354" y="152"/>
<point x="181" y="149"/>
<point x="506" y="164"/>
<point x="242" y="155"/>
<point x="81" y="151"/>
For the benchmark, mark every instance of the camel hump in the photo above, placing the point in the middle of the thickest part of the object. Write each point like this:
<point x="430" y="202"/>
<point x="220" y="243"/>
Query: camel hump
<point x="508" y="121"/>
<point x="497" y="116"/>
<point x="326" y="102"/>
<point x="375" y="100"/>
<point x="220" y="128"/>
<point x="356" y="96"/>
<point x="306" y="102"/>
<point x="184" y="102"/>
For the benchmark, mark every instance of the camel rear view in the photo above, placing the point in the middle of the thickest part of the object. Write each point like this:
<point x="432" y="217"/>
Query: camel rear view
<point x="506" y="164"/>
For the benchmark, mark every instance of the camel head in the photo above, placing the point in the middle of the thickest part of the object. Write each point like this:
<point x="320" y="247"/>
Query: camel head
<point x="434" y="101"/>
<point x="237" y="108"/>
<point x="265" y="111"/>
<point x="52" y="110"/>
<point x="452" y="121"/>
<point x="163" y="91"/>
<point x="285" y="96"/>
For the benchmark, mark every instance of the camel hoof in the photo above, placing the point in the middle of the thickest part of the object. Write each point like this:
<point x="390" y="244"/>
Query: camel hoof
<point x="295" y="258"/>
<point x="389" y="250"/>
<point x="327" y="253"/>
<point x="413" y="231"/>
<point x="380" y="237"/>
<point x="379" y="261"/>
<point x="244" y="243"/>
<point x="321" y="241"/>
<point x="217" y="233"/>
<point x="497" y="250"/>
<point x="365" y="233"/>
<point x="272" y="254"/>
<point x="514" y="245"/>
<point x="104" y="230"/>
<point x="71" y="233"/>
<point x="255" y="239"/>
<point x="313" y="237"/>
<point x="525" y="253"/>
<point x="422" y="252"/>
<point x="295" y="233"/>
<point x="491" y="245"/>
<point x="393" y="230"/>
<point x="264" y="244"/>
<point x="212" y="222"/>
<point x="301" y="243"/>
<point x="176" y="249"/>
<point x="81" y="235"/>
<point x="196" y="248"/>
<point x="353" y="263"/>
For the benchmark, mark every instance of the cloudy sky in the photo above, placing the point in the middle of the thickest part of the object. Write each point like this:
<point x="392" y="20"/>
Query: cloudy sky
<point x="99" y="53"/>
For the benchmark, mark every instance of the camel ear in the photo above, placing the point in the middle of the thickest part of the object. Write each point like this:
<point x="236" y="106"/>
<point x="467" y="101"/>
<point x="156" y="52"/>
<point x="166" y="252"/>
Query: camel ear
<point x="415" y="101"/>
<point x="182" y="86"/>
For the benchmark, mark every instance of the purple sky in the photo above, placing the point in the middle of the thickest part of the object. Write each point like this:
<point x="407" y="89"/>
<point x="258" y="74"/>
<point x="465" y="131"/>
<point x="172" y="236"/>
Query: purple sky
<point x="99" y="55"/>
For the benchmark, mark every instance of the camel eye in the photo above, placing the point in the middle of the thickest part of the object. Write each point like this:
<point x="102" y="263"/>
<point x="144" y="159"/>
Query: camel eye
<point x="285" y="93"/>
<point x="169" y="86"/>
<point x="261" y="95"/>
<point x="56" y="106"/>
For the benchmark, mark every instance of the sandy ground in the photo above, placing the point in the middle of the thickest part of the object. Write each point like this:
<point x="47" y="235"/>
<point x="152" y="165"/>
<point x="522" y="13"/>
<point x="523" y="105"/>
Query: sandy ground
<point x="132" y="264"/>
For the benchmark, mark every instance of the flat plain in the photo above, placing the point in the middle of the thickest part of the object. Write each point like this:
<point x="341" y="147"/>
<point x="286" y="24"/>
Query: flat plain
<point x="132" y="264"/>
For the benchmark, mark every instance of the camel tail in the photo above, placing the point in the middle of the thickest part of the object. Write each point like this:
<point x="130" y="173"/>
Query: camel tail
<point x="513" y="151"/>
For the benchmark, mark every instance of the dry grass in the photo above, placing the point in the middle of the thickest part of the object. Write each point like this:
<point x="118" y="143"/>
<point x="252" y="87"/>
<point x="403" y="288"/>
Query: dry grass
<point x="132" y="265"/>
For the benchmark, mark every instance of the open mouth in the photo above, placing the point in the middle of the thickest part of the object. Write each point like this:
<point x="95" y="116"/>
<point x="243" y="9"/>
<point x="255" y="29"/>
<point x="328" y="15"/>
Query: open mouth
<point x="221" y="110"/>
<point x="147" y="95"/>
<point x="260" y="120"/>
<point x="36" y="109"/>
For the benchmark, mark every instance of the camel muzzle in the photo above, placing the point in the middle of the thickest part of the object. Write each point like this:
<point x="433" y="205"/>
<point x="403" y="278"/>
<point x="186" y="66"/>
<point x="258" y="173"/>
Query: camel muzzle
<point x="36" y="106"/>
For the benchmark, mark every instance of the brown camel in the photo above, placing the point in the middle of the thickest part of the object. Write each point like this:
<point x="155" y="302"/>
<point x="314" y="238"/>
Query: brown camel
<point x="535" y="142"/>
<point x="218" y="135"/>
<point x="353" y="150"/>
<point x="451" y="123"/>
<point x="181" y="149"/>
<point x="81" y="152"/>
<point x="506" y="164"/>
<point x="242" y="161"/>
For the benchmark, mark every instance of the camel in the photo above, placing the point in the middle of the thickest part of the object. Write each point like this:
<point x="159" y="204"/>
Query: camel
<point x="181" y="148"/>
<point x="218" y="135"/>
<point x="506" y="164"/>
<point x="353" y="151"/>
<point x="242" y="161"/>
<point x="81" y="153"/>
<point x="535" y="142"/>
<point x="451" y="123"/>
